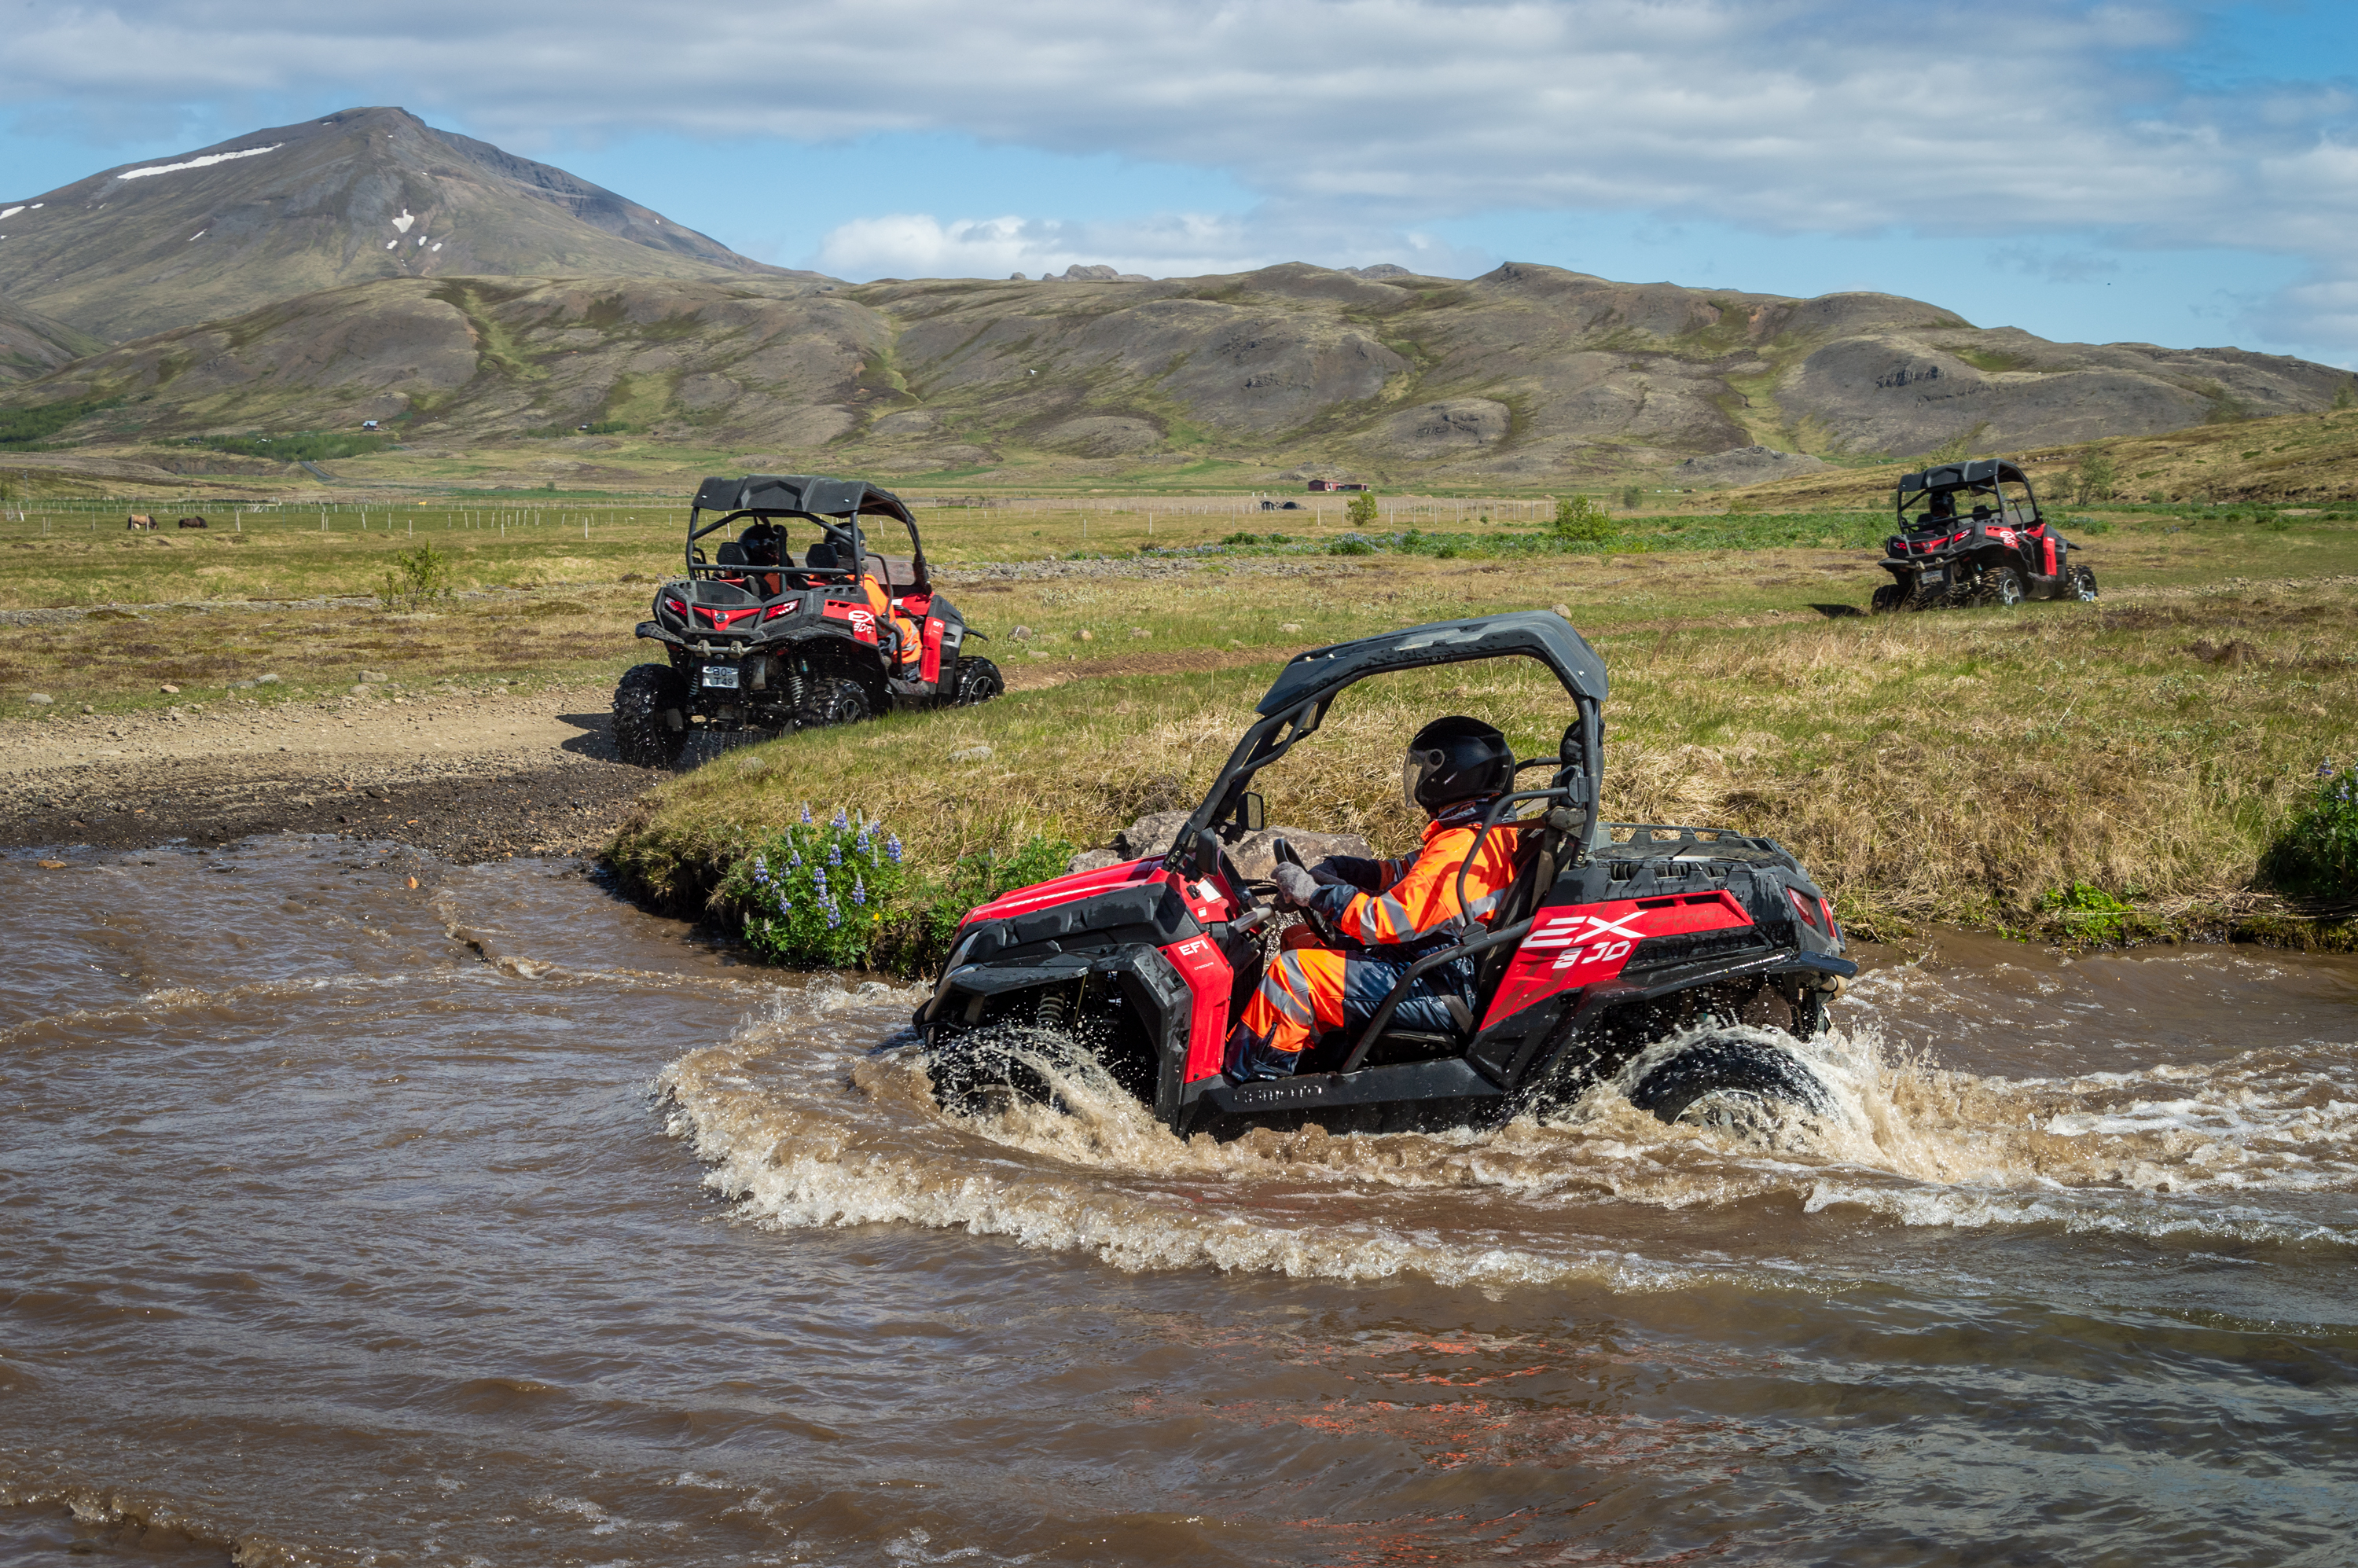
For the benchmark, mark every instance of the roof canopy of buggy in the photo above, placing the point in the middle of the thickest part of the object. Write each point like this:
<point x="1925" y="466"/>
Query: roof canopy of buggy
<point x="809" y="494"/>
<point x="1528" y="633"/>
<point x="1984" y="471"/>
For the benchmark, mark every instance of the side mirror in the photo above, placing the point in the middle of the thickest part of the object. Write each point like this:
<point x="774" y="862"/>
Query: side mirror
<point x="1252" y="812"/>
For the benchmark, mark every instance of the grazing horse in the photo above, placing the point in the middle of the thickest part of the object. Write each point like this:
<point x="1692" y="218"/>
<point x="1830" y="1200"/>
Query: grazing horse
<point x="192" y="522"/>
<point x="137" y="521"/>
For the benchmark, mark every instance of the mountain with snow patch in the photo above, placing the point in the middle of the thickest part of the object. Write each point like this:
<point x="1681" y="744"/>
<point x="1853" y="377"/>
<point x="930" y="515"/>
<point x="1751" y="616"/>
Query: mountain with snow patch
<point x="361" y="195"/>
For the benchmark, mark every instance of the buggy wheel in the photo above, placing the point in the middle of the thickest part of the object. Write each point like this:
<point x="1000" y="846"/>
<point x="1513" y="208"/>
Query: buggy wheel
<point x="1729" y="1082"/>
<point x="2083" y="585"/>
<point x="2002" y="588"/>
<point x="1891" y="597"/>
<point x="650" y="716"/>
<point x="979" y="680"/>
<point x="831" y="699"/>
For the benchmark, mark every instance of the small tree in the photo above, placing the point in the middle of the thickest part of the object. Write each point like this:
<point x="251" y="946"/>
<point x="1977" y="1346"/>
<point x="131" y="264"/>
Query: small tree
<point x="1362" y="510"/>
<point x="2096" y="478"/>
<point x="1578" y="517"/>
<point x="1632" y="498"/>
<point x="422" y="575"/>
<point x="2346" y="395"/>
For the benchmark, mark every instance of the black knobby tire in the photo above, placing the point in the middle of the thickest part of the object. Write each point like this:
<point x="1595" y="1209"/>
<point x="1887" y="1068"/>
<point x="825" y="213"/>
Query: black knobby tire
<point x="2001" y="587"/>
<point x="2083" y="585"/>
<point x="831" y="699"/>
<point x="978" y="680"/>
<point x="1729" y="1067"/>
<point x="1889" y="599"/>
<point x="645" y="701"/>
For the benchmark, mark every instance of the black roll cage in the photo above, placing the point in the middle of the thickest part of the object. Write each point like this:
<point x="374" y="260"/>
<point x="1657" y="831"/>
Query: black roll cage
<point x="833" y="505"/>
<point x="1297" y="703"/>
<point x="1984" y="476"/>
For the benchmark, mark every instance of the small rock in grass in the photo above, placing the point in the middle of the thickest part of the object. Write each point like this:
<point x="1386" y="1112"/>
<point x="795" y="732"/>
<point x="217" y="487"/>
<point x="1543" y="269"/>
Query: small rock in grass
<point x="374" y="674"/>
<point x="1021" y="635"/>
<point x="265" y="680"/>
<point x="970" y="754"/>
<point x="1290" y="626"/>
<point x="1139" y="632"/>
<point x="1091" y="860"/>
<point x="169" y="690"/>
<point x="1563" y="610"/>
<point x="40" y="698"/>
<point x="1086" y="635"/>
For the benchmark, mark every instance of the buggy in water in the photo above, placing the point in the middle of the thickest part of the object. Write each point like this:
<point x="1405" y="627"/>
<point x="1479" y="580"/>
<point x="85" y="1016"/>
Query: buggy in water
<point x="1606" y="941"/>
<point x="760" y="638"/>
<point x="1980" y="538"/>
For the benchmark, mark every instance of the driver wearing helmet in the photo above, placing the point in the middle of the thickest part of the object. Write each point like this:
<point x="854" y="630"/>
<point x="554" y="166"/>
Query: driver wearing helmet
<point x="1388" y="913"/>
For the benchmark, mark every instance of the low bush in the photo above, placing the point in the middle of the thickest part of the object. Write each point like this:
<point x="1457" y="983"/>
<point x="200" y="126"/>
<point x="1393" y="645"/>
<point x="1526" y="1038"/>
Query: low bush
<point x="2316" y="853"/>
<point x="2088" y="913"/>
<point x="28" y="429"/>
<point x="841" y="893"/>
<point x="1579" y="518"/>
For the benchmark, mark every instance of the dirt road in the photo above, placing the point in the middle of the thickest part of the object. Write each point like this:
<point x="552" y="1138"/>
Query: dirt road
<point x="469" y="776"/>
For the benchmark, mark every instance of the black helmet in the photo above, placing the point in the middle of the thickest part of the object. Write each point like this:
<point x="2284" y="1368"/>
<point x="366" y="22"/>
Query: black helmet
<point x="1455" y="758"/>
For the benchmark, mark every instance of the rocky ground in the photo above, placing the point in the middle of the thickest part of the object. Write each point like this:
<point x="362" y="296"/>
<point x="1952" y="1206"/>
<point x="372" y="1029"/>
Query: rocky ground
<point x="466" y="778"/>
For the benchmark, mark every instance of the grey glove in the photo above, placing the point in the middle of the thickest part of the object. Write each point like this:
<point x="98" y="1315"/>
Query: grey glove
<point x="1295" y="885"/>
<point x="1325" y="876"/>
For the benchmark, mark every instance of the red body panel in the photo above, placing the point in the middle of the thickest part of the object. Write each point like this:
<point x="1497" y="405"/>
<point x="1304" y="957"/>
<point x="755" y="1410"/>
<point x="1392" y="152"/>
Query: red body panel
<point x="929" y="666"/>
<point x="1205" y="970"/>
<point x="1198" y="959"/>
<point x="1572" y="946"/>
<point x="863" y="619"/>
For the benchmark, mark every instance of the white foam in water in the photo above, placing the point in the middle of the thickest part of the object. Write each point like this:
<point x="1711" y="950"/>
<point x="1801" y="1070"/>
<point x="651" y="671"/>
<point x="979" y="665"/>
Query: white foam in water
<point x="805" y="1127"/>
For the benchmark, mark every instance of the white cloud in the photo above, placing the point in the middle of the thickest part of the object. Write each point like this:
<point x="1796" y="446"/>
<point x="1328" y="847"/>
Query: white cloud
<point x="1346" y="117"/>
<point x="917" y="244"/>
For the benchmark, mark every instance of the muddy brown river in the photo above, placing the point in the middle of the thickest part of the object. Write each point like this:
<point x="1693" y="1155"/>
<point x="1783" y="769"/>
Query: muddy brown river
<point x="496" y="1222"/>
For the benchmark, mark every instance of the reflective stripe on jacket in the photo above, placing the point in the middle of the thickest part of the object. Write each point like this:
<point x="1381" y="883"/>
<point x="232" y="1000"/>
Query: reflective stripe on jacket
<point x="1419" y="904"/>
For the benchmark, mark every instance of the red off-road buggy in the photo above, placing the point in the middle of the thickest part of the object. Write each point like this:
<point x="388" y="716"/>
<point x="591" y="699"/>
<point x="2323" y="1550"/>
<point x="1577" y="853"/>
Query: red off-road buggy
<point x="760" y="637"/>
<point x="1611" y="939"/>
<point x="1979" y="539"/>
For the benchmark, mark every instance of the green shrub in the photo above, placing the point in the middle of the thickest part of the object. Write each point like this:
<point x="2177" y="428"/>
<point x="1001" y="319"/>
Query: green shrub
<point x="418" y="576"/>
<point x="1632" y="498"/>
<point x="819" y="894"/>
<point x="1362" y="510"/>
<point x="1350" y="544"/>
<point x="25" y="429"/>
<point x="841" y="893"/>
<point x="1241" y="537"/>
<point x="2316" y="853"/>
<point x="2089" y="913"/>
<point x="2095" y="479"/>
<point x="1578" y="517"/>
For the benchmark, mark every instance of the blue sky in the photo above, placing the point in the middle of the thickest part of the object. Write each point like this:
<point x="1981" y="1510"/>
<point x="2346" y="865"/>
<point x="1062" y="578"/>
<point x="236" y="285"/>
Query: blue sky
<point x="2182" y="174"/>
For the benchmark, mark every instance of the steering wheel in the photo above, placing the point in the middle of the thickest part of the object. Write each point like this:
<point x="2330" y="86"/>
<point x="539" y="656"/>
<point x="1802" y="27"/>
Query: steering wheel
<point x="1286" y="854"/>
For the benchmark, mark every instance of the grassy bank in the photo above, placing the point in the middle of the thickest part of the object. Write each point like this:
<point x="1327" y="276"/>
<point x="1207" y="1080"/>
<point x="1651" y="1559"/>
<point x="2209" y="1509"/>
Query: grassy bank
<point x="2024" y="769"/>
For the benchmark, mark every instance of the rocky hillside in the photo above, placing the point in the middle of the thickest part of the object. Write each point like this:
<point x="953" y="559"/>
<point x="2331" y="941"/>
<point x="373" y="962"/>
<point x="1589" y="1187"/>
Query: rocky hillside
<point x="32" y="344"/>
<point x="1527" y="376"/>
<point x="368" y="193"/>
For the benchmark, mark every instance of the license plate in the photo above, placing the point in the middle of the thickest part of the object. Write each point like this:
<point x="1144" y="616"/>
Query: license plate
<point x="1929" y="576"/>
<point x="722" y="675"/>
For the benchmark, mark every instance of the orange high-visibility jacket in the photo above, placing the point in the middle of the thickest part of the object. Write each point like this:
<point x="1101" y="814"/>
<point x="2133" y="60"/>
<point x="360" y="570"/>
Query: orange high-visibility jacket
<point x="1418" y="901"/>
<point x="882" y="606"/>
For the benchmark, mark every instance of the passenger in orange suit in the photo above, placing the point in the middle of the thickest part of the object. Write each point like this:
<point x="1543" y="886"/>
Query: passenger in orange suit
<point x="1388" y="913"/>
<point x="906" y="629"/>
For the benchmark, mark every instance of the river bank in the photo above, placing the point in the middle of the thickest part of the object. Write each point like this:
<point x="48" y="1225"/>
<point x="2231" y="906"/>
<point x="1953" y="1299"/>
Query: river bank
<point x="467" y="776"/>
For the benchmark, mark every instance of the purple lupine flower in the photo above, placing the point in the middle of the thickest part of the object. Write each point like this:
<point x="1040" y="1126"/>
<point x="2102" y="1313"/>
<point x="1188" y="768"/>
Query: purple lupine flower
<point x="841" y="821"/>
<point x="892" y="850"/>
<point x="834" y="916"/>
<point x="834" y="854"/>
<point x="859" y="893"/>
<point x="807" y="816"/>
